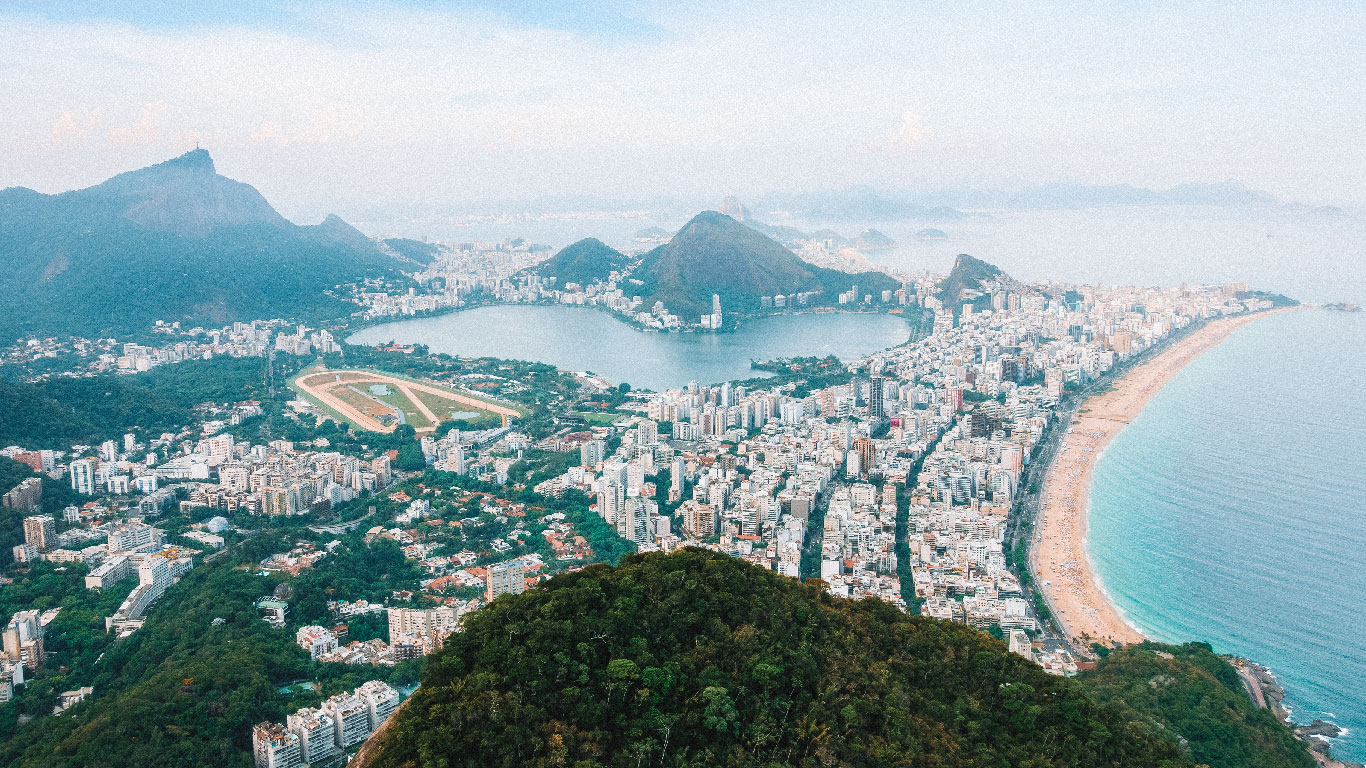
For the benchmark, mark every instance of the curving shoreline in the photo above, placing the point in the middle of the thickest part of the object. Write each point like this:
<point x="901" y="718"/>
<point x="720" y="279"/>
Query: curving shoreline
<point x="1059" y="557"/>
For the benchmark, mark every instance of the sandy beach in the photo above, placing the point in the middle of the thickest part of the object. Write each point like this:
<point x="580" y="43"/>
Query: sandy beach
<point x="1059" y="553"/>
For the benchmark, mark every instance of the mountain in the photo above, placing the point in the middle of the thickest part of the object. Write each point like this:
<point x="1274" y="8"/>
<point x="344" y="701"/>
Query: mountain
<point x="732" y="207"/>
<point x="587" y="261"/>
<point x="335" y="231"/>
<point x="715" y="254"/>
<point x="791" y="237"/>
<point x="1189" y="692"/>
<point x="1064" y="195"/>
<point x="653" y="233"/>
<point x="855" y="204"/>
<point x="414" y="250"/>
<point x="971" y="281"/>
<point x="873" y="240"/>
<point x="183" y="196"/>
<point x="173" y="241"/>
<point x="694" y="658"/>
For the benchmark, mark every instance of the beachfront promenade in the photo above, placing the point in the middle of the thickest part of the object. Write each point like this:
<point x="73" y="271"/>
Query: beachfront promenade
<point x="1058" y="554"/>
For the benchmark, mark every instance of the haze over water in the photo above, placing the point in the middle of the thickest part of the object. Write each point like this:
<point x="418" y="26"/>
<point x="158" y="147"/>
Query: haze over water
<point x="1233" y="510"/>
<point x="1311" y="255"/>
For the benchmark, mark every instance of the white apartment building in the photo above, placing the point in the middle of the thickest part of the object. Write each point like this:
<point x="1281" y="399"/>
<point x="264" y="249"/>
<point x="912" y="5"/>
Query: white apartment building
<point x="273" y="746"/>
<point x="352" y="717"/>
<point x="316" y="640"/>
<point x="108" y="573"/>
<point x="317" y="735"/>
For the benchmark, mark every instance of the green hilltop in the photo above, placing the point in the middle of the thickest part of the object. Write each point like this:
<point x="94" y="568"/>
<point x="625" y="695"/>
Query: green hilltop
<point x="173" y="241"/>
<point x="587" y="261"/>
<point x="715" y="254"/>
<point x="1189" y="693"/>
<point x="697" y="659"/>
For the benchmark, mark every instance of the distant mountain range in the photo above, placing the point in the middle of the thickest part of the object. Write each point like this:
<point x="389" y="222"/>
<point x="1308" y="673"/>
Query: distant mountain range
<point x="715" y="254"/>
<point x="586" y="261"/>
<point x="866" y="204"/>
<point x="1227" y="193"/>
<point x="855" y="203"/>
<point x="868" y="240"/>
<point x="173" y="241"/>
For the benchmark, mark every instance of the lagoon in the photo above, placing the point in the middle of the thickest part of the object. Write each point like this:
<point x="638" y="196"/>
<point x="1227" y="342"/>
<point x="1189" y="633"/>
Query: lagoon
<point x="585" y="339"/>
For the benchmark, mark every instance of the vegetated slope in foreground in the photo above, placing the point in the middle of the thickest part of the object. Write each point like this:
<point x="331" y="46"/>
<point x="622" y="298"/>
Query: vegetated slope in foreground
<point x="715" y="254"/>
<point x="695" y="658"/>
<point x="1189" y="691"/>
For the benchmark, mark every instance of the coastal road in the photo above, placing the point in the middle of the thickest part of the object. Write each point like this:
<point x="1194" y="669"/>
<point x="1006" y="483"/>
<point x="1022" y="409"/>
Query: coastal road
<point x="1254" y="689"/>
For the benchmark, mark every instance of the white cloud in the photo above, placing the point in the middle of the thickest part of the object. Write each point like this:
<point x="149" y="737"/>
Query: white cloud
<point x="69" y="126"/>
<point x="406" y="105"/>
<point x="145" y="132"/>
<point x="909" y="135"/>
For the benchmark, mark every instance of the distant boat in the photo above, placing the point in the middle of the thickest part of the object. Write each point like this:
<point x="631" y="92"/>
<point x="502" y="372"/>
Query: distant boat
<point x="931" y="234"/>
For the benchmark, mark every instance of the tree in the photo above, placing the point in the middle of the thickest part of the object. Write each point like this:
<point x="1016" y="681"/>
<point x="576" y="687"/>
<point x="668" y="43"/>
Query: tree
<point x="695" y="658"/>
<point x="410" y="458"/>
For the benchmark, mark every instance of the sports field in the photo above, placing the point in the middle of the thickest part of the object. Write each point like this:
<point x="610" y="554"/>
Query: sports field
<point x="379" y="402"/>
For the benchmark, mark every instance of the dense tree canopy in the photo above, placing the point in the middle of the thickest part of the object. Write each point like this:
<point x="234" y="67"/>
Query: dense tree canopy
<point x="695" y="658"/>
<point x="58" y="412"/>
<point x="1193" y="696"/>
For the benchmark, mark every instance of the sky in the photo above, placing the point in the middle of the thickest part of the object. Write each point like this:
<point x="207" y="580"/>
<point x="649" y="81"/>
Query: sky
<point x="346" y="104"/>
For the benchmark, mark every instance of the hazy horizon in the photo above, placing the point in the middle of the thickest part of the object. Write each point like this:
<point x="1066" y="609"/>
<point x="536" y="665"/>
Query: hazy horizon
<point x="407" y="105"/>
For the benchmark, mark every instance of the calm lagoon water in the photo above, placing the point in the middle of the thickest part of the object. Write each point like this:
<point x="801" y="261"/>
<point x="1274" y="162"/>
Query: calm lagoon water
<point x="583" y="339"/>
<point x="1233" y="510"/>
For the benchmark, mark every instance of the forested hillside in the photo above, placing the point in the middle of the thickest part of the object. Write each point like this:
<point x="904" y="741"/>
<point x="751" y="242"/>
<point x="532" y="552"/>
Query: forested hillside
<point x="696" y="658"/>
<point x="715" y="254"/>
<point x="173" y="241"/>
<point x="1192" y="695"/>
<point x="58" y="412"/>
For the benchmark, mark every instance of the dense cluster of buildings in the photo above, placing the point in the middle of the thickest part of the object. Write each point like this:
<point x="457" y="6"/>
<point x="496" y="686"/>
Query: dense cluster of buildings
<point x="316" y="736"/>
<point x="96" y="356"/>
<point x="456" y="272"/>
<point x="929" y="440"/>
<point x="275" y="479"/>
<point x="942" y="427"/>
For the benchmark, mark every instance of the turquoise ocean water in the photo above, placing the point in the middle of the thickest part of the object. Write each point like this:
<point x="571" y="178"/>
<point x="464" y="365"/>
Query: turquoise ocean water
<point x="1233" y="510"/>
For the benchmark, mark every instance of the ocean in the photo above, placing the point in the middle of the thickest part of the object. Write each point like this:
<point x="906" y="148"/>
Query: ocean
<point x="1233" y="510"/>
